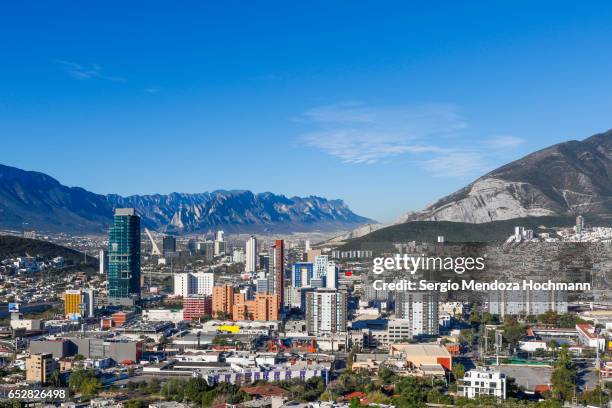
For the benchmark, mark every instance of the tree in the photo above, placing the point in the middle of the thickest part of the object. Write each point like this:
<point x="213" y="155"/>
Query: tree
<point x="552" y="346"/>
<point x="386" y="376"/>
<point x="458" y="371"/>
<point x="563" y="378"/>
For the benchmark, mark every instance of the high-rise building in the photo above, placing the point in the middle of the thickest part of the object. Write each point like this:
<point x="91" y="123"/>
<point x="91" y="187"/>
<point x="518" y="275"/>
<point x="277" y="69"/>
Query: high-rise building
<point x="39" y="367"/>
<point x="238" y="256"/>
<point x="103" y="262"/>
<point x="223" y="301"/>
<point x="420" y="309"/>
<point x="331" y="276"/>
<point x="206" y="248"/>
<point x="72" y="303"/>
<point x="124" y="254"/>
<point x="326" y="311"/>
<point x="168" y="244"/>
<point x="579" y="224"/>
<point x="183" y="284"/>
<point x="250" y="265"/>
<point x="264" y="262"/>
<point x="189" y="283"/>
<point x="79" y="303"/>
<point x="276" y="276"/>
<point x="303" y="272"/>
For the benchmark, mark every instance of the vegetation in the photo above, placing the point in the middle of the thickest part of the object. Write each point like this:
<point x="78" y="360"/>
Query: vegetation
<point x="428" y="231"/>
<point x="197" y="390"/>
<point x="84" y="382"/>
<point x="563" y="378"/>
<point x="12" y="247"/>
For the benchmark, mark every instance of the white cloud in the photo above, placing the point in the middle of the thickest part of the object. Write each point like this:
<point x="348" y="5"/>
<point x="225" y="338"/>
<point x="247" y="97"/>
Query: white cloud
<point x="357" y="133"/>
<point x="501" y="142"/>
<point x="89" y="71"/>
<point x="463" y="164"/>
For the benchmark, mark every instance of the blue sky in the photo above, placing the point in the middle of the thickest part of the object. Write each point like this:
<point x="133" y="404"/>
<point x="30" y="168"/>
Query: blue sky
<point x="387" y="105"/>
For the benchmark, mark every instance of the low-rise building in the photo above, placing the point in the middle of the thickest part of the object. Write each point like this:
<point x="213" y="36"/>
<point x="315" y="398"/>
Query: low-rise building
<point x="483" y="381"/>
<point x="39" y="367"/>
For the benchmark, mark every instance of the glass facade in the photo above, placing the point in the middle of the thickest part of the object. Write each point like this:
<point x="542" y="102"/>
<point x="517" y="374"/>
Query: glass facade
<point x="124" y="254"/>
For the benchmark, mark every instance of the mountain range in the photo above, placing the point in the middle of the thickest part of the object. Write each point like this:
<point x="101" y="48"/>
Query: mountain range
<point x="33" y="200"/>
<point x="569" y="178"/>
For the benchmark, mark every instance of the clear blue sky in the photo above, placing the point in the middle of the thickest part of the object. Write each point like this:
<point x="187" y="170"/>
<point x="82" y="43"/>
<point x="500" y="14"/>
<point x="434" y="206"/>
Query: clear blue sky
<point x="387" y="105"/>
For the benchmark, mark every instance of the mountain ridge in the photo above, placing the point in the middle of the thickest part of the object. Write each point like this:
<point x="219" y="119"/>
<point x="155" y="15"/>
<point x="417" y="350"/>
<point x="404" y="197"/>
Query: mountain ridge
<point x="35" y="200"/>
<point x="568" y="178"/>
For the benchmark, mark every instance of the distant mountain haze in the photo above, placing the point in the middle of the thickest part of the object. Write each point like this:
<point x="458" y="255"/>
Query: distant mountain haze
<point x="35" y="200"/>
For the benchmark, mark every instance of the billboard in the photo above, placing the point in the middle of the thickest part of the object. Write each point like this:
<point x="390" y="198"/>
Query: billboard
<point x="13" y="307"/>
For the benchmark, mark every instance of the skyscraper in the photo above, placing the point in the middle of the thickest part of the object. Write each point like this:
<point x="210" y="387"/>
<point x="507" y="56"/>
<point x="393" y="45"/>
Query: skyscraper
<point x="326" y="311"/>
<point x="169" y="244"/>
<point x="251" y="255"/>
<point x="420" y="309"/>
<point x="302" y="274"/>
<point x="124" y="254"/>
<point x="276" y="276"/>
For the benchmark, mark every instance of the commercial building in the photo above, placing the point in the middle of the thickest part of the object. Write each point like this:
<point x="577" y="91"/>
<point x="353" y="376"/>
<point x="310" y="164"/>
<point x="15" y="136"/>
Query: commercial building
<point x="422" y="354"/>
<point x="303" y="272"/>
<point x="162" y="315"/>
<point x="483" y="381"/>
<point x="326" y="311"/>
<point x="124" y="254"/>
<point x="95" y="346"/>
<point x="420" y="309"/>
<point x="196" y="306"/>
<point x="39" y="367"/>
<point x="79" y="303"/>
<point x="168" y="244"/>
<point x="250" y="265"/>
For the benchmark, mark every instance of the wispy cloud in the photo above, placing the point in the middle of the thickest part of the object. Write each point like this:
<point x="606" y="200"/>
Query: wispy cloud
<point x="357" y="133"/>
<point x="433" y="134"/>
<point x="500" y="142"/>
<point x="88" y="71"/>
<point x="152" y="89"/>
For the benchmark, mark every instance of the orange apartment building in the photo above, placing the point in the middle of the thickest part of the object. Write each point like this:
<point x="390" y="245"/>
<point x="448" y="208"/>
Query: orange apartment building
<point x="225" y="300"/>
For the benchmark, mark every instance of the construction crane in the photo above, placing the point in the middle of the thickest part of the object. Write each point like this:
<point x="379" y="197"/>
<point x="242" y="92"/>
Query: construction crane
<point x="154" y="248"/>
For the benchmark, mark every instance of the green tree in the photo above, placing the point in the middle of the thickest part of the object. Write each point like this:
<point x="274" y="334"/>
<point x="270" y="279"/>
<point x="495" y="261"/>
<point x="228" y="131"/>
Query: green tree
<point x="563" y="377"/>
<point x="458" y="371"/>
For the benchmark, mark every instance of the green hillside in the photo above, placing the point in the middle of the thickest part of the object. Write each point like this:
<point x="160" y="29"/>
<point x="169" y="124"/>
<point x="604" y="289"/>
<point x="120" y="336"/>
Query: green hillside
<point x="12" y="246"/>
<point x="428" y="231"/>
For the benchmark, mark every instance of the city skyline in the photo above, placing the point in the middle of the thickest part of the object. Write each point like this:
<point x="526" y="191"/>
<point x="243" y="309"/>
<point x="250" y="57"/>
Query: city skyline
<point x="360" y="102"/>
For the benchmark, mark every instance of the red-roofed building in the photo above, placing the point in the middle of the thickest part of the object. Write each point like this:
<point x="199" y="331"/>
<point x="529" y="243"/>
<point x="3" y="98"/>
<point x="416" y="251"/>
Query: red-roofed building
<point x="587" y="336"/>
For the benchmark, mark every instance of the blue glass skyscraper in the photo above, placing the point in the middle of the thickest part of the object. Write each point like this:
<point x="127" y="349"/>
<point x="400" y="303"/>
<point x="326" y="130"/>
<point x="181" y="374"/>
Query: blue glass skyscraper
<point x="124" y="254"/>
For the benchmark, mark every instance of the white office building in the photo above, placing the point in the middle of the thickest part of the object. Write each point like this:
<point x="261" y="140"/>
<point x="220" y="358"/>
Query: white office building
<point x="483" y="381"/>
<point x="326" y="269"/>
<point x="200" y="283"/>
<point x="251" y="255"/>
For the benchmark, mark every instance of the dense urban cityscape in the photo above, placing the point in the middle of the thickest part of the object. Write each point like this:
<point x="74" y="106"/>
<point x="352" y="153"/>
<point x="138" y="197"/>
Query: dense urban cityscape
<point x="256" y="321"/>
